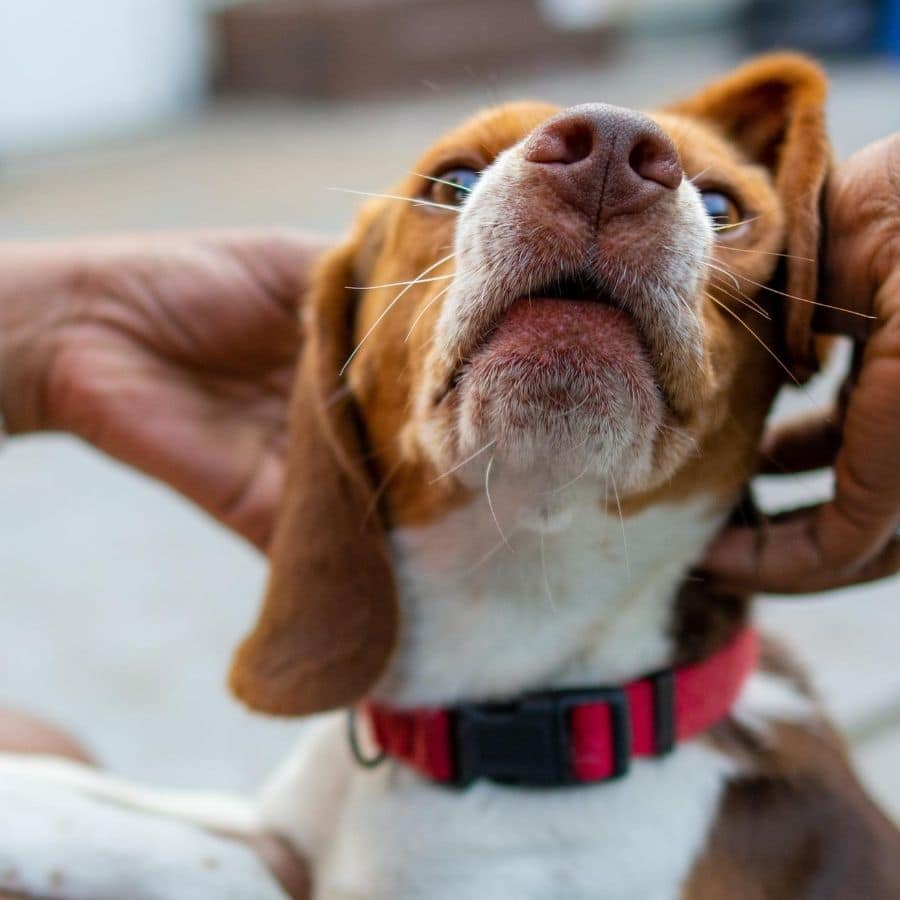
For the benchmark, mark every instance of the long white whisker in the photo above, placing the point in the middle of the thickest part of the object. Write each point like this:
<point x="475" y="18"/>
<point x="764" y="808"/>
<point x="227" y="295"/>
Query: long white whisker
<point x="743" y="299"/>
<point x="717" y="268"/>
<point x="452" y="184"/>
<point x="492" y="552"/>
<point x="764" y="252"/>
<point x="468" y="459"/>
<point x="735" y="224"/>
<point x="842" y="309"/>
<point x="487" y="493"/>
<point x="544" y="572"/>
<point x="572" y="481"/>
<point x="425" y="309"/>
<point x="694" y="178"/>
<point x="390" y="306"/>
<point x="622" y="523"/>
<point x="416" y="201"/>
<point x="761" y="342"/>
<point x="375" y="287"/>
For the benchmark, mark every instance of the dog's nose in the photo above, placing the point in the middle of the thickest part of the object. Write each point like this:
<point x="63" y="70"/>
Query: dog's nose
<point x="605" y="160"/>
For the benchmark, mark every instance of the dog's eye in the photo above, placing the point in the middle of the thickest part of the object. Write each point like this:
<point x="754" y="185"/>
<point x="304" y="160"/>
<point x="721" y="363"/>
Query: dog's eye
<point x="453" y="186"/>
<point x="721" y="209"/>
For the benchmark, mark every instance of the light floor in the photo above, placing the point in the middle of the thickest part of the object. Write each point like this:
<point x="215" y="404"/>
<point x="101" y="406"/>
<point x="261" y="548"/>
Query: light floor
<point x="119" y="603"/>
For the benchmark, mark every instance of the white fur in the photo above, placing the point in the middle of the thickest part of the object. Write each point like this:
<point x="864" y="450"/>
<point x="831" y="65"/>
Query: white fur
<point x="398" y="836"/>
<point x="586" y="599"/>
<point x="768" y="698"/>
<point x="576" y="614"/>
<point x="62" y="841"/>
<point x="504" y="251"/>
<point x="531" y="585"/>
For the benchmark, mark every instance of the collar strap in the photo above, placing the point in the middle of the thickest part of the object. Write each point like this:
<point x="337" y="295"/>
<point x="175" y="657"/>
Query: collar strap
<point x="570" y="736"/>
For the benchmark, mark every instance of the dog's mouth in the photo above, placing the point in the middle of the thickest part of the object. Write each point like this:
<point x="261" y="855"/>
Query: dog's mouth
<point x="570" y="327"/>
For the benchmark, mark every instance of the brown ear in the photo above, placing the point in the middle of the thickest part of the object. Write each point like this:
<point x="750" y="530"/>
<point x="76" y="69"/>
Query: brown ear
<point x="329" y="617"/>
<point x="774" y="109"/>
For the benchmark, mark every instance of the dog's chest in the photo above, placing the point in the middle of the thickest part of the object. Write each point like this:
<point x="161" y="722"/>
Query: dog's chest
<point x="634" y="839"/>
<point x="494" y="608"/>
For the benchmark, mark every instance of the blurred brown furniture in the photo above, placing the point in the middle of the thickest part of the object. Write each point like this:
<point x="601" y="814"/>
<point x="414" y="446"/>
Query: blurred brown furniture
<point x="352" y="48"/>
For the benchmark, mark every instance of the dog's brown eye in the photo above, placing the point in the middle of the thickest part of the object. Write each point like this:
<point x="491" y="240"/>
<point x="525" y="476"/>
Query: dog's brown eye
<point x="721" y="209"/>
<point x="452" y="187"/>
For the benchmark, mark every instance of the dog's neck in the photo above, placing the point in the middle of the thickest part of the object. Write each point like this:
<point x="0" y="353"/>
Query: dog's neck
<point x="526" y="590"/>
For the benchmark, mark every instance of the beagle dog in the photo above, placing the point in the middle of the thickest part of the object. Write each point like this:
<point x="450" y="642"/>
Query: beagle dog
<point x="533" y="386"/>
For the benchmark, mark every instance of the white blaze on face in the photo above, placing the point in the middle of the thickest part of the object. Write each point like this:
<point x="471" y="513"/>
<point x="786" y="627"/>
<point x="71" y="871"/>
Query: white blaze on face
<point x="515" y="238"/>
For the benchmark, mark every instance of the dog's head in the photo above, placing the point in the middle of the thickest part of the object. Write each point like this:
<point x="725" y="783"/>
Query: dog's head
<point x="554" y="293"/>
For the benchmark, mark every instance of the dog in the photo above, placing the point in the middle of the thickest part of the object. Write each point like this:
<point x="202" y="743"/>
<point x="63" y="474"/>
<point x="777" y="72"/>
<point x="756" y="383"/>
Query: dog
<point x="533" y="385"/>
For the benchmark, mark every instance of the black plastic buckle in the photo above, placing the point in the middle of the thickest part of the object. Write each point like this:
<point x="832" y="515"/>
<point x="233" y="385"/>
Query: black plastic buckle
<point x="664" y="711"/>
<point x="528" y="742"/>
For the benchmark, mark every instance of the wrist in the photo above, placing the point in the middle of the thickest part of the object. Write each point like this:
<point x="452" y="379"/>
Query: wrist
<point x="33" y="304"/>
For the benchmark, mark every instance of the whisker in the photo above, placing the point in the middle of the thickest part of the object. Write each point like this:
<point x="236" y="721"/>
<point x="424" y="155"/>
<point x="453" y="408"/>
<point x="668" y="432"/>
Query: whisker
<point x="743" y="299"/>
<point x="452" y="184"/>
<point x="622" y="523"/>
<point x="765" y="287"/>
<point x="572" y="481"/>
<point x="764" y="252"/>
<point x="487" y="493"/>
<point x="761" y="342"/>
<point x="851" y="312"/>
<point x="389" y="307"/>
<point x="490" y="553"/>
<point x="377" y="494"/>
<point x="416" y="201"/>
<point x="468" y="459"/>
<point x="425" y="309"/>
<point x="735" y="224"/>
<point x="717" y="268"/>
<point x="387" y="284"/>
<point x="544" y="572"/>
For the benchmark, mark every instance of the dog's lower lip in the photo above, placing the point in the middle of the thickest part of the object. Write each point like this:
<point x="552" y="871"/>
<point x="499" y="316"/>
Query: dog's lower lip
<point x="579" y="296"/>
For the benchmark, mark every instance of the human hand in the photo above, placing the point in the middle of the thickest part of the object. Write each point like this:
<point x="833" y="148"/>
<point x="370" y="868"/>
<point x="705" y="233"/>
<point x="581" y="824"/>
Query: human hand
<point x="172" y="353"/>
<point x="854" y="537"/>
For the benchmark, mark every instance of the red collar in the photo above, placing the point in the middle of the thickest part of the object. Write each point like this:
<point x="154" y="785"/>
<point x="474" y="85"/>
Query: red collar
<point x="567" y="736"/>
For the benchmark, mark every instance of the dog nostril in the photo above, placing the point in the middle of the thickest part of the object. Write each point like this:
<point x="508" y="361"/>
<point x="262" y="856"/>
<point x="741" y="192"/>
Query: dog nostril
<point x="656" y="159"/>
<point x="566" y="142"/>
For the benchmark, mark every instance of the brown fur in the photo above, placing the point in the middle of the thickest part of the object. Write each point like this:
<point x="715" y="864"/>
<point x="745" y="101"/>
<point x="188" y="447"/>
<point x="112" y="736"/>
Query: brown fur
<point x="797" y="824"/>
<point x="774" y="107"/>
<point x="329" y="619"/>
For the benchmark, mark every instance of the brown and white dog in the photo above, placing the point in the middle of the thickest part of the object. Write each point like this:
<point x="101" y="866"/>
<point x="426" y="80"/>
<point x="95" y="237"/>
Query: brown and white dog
<point x="508" y="450"/>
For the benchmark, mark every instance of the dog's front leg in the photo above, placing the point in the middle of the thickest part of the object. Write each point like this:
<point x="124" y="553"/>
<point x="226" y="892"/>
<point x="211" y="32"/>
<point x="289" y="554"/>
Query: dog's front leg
<point x="66" y="834"/>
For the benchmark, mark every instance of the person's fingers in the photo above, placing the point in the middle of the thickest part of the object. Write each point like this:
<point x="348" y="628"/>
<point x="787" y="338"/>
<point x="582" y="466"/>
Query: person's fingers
<point x="800" y="444"/>
<point x="282" y="262"/>
<point x="283" y="862"/>
<point x="787" y="558"/>
<point x="863" y="214"/>
<point x="854" y="537"/>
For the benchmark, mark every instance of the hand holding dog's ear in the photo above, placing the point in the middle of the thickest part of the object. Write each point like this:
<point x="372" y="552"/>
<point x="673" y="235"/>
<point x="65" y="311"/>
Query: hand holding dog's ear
<point x="854" y="537"/>
<point x="173" y="353"/>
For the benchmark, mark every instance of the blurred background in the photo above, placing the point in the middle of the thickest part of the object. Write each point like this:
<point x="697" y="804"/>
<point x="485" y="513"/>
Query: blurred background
<point x="119" y="603"/>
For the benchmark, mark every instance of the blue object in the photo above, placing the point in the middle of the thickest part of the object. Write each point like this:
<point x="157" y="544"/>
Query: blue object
<point x="890" y="33"/>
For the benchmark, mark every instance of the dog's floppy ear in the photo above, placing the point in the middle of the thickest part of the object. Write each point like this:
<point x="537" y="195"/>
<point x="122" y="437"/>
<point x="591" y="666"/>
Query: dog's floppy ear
<point x="329" y="616"/>
<point x="774" y="109"/>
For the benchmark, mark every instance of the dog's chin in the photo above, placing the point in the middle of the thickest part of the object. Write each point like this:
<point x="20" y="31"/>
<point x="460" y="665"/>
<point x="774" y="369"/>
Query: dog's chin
<point x="562" y="387"/>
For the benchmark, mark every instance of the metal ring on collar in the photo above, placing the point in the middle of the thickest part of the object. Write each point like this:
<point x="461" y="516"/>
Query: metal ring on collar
<point x="367" y="762"/>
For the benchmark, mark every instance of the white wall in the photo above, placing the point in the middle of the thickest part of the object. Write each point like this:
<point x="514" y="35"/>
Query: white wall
<point x="71" y="69"/>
